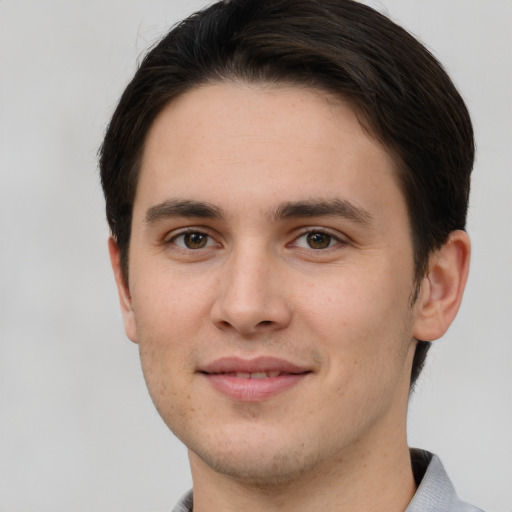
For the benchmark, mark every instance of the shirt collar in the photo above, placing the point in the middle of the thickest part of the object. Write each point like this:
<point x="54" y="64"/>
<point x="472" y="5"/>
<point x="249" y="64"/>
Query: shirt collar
<point x="435" y="491"/>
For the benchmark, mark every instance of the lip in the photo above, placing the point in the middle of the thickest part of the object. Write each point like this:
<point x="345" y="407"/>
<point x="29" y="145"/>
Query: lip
<point x="258" y="364"/>
<point x="221" y="374"/>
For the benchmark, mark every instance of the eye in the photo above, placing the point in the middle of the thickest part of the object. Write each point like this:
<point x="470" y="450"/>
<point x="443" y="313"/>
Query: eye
<point x="192" y="240"/>
<point x="316" y="240"/>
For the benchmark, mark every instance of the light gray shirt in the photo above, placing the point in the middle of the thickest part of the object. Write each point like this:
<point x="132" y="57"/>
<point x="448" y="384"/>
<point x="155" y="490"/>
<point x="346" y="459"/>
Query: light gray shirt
<point x="435" y="492"/>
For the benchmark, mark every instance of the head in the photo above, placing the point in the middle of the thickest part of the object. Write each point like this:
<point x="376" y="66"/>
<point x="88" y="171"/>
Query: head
<point x="236" y="134"/>
<point x="286" y="179"/>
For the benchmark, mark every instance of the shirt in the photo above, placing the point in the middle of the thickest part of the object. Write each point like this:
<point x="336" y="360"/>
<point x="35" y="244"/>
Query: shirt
<point x="435" y="491"/>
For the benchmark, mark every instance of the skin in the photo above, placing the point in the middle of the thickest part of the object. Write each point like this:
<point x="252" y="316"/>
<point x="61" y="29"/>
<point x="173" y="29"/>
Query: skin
<point x="342" y="309"/>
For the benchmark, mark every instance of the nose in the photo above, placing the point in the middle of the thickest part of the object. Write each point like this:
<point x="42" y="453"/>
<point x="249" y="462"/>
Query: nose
<point x="251" y="295"/>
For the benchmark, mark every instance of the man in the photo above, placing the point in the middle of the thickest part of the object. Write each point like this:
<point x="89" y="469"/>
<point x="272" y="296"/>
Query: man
<point x="286" y="186"/>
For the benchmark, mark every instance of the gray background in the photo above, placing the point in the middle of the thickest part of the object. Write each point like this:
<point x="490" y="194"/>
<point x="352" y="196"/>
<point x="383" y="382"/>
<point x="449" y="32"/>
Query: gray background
<point x="78" y="432"/>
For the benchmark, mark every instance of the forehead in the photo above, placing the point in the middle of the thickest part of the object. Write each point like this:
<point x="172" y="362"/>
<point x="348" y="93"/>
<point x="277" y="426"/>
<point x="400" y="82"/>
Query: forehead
<point x="267" y="143"/>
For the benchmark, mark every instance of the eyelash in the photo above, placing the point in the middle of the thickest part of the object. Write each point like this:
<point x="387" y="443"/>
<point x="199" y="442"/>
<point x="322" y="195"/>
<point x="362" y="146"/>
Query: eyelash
<point x="333" y="241"/>
<point x="191" y="232"/>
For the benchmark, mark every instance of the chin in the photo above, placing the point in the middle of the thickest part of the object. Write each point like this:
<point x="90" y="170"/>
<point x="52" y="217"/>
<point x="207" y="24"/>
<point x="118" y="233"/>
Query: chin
<point x="259" y="470"/>
<point x="264" y="462"/>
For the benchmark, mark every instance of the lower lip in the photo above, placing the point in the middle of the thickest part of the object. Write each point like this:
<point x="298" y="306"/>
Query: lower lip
<point x="253" y="390"/>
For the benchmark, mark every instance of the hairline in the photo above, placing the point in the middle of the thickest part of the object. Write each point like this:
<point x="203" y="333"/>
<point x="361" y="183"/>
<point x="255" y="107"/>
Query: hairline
<point x="332" y="98"/>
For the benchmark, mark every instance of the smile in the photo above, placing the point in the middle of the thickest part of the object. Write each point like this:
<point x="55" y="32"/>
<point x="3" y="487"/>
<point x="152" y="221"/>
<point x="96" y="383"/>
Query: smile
<point x="253" y="380"/>
<point x="254" y="375"/>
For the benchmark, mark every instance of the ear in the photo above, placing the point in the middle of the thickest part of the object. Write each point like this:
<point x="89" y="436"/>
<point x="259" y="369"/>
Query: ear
<point x="123" y="290"/>
<point x="442" y="288"/>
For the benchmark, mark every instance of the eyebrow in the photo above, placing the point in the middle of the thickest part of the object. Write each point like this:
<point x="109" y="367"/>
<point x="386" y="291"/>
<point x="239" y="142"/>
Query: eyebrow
<point x="293" y="209"/>
<point x="324" y="208"/>
<point x="182" y="208"/>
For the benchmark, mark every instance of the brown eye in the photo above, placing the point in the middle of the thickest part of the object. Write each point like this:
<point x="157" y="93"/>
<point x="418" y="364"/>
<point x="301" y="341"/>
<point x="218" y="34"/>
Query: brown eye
<point x="195" y="240"/>
<point x="318" y="240"/>
<point x="192" y="240"/>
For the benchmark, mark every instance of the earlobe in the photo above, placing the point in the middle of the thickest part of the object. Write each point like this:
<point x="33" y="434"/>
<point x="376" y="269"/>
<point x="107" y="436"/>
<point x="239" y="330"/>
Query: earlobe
<point x="123" y="290"/>
<point x="442" y="288"/>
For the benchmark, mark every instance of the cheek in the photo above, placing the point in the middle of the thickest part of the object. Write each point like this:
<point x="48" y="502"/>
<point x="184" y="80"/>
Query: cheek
<point x="165" y="361"/>
<point x="361" y="325"/>
<point x="167" y="305"/>
<point x="359" y="316"/>
<point x="168" y="317"/>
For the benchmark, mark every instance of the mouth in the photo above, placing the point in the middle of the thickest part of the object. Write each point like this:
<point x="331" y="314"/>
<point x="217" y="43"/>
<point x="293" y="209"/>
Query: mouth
<point x="253" y="380"/>
<point x="253" y="375"/>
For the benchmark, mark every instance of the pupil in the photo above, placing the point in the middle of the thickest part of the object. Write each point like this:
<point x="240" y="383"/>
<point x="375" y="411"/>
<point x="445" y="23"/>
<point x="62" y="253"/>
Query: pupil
<point x="195" y="240"/>
<point x="318" y="240"/>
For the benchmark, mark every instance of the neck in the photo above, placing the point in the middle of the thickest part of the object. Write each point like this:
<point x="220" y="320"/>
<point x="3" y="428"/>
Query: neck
<point x="376" y="479"/>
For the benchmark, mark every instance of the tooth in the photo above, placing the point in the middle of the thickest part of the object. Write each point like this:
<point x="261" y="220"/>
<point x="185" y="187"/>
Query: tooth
<point x="273" y="373"/>
<point x="243" y="375"/>
<point x="259" y="375"/>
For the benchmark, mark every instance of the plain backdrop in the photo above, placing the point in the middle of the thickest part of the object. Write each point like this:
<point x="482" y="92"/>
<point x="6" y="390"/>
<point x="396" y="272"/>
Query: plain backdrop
<point x="78" y="432"/>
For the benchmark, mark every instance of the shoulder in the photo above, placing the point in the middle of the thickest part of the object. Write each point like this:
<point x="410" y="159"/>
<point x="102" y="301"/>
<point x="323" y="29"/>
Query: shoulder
<point x="185" y="504"/>
<point x="435" y="491"/>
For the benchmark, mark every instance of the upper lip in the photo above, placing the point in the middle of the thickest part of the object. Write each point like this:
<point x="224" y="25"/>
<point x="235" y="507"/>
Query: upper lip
<point x="258" y="364"/>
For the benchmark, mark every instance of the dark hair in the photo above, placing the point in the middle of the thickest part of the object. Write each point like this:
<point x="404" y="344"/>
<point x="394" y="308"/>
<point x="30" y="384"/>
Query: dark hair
<point x="401" y="93"/>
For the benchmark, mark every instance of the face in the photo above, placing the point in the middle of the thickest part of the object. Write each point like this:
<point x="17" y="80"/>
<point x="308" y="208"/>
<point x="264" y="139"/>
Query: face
<point x="270" y="281"/>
